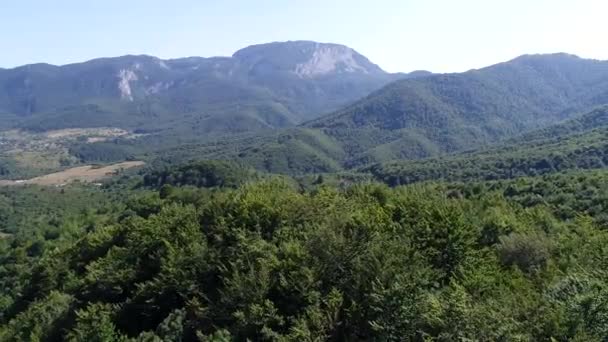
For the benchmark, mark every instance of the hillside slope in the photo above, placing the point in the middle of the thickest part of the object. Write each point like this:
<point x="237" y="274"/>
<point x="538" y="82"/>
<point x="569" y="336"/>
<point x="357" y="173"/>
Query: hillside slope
<point x="580" y="143"/>
<point x="398" y="158"/>
<point x="451" y="112"/>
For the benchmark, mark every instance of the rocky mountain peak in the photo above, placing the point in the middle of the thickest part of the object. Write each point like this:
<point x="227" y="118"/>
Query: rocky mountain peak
<point x="306" y="59"/>
<point x="330" y="58"/>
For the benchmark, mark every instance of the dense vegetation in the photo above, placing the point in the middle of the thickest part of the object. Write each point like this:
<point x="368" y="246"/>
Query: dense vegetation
<point x="292" y="151"/>
<point x="45" y="211"/>
<point x="595" y="118"/>
<point x="567" y="194"/>
<point x="576" y="144"/>
<point x="579" y="143"/>
<point x="101" y="152"/>
<point x="508" y="260"/>
<point x="203" y="174"/>
<point x="425" y="117"/>
<point x="7" y="167"/>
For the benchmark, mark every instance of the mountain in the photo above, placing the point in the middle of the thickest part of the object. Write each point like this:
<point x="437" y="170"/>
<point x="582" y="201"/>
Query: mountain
<point x="434" y="115"/>
<point x="274" y="85"/>
<point x="451" y="112"/>
<point x="261" y="86"/>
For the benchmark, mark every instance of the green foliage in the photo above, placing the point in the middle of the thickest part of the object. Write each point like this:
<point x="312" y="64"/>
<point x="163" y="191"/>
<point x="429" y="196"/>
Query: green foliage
<point x="213" y="251"/>
<point x="224" y="111"/>
<point x="101" y="152"/>
<point x="431" y="116"/>
<point x="289" y="151"/>
<point x="535" y="154"/>
<point x="529" y="252"/>
<point x="94" y="324"/>
<point x="589" y="121"/>
<point x="204" y="174"/>
<point x="268" y="261"/>
<point x="42" y="210"/>
<point x="42" y="321"/>
<point x="569" y="195"/>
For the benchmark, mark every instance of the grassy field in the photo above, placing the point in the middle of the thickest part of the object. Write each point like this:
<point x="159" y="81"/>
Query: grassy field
<point x="87" y="174"/>
<point x="38" y="153"/>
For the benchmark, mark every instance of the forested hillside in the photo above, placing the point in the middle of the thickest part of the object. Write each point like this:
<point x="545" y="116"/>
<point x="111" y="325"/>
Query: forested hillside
<point x="425" y="117"/>
<point x="492" y="261"/>
<point x="596" y="118"/>
<point x="568" y="194"/>
<point x="290" y="151"/>
<point x="575" y="143"/>
<point x="203" y="174"/>
<point x="451" y="112"/>
<point x="581" y="143"/>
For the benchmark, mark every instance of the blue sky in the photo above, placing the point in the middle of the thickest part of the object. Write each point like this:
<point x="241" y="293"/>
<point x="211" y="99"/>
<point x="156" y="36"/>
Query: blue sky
<point x="399" y="35"/>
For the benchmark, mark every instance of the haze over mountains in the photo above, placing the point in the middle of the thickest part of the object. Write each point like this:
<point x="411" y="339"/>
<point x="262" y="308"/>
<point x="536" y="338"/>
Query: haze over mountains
<point x="262" y="86"/>
<point x="296" y="107"/>
<point x="430" y="116"/>
<point x="451" y="112"/>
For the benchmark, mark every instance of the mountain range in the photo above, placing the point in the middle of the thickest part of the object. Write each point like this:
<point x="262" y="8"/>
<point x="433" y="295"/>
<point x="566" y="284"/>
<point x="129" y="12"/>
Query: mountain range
<point x="298" y="107"/>
<point x="262" y="86"/>
<point x="428" y="116"/>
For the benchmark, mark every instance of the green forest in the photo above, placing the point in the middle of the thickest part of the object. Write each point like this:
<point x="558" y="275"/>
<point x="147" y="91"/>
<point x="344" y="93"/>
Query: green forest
<point x="187" y="254"/>
<point x="577" y="151"/>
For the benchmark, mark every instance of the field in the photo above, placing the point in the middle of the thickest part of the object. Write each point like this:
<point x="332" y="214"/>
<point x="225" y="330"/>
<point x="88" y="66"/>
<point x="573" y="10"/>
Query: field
<point x="87" y="174"/>
<point x="39" y="153"/>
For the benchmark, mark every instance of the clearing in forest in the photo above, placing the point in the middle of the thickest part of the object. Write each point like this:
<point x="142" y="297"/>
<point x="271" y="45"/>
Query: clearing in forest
<point x="87" y="173"/>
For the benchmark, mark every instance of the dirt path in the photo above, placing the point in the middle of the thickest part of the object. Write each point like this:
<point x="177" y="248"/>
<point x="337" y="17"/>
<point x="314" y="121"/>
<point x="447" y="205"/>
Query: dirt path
<point x="86" y="174"/>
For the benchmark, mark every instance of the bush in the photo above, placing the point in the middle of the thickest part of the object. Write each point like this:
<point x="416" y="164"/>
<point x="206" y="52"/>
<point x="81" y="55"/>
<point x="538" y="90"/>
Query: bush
<point x="530" y="252"/>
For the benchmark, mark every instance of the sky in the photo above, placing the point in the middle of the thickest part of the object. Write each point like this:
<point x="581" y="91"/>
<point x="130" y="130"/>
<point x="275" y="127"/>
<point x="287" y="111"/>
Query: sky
<point x="398" y="35"/>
